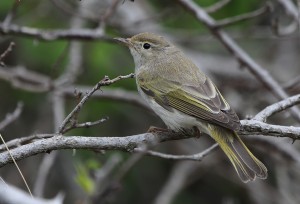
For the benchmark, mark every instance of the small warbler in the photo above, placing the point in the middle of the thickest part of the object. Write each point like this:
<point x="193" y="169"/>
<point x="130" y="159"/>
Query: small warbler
<point x="185" y="99"/>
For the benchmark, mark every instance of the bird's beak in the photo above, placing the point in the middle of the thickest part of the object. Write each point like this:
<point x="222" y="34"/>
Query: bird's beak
<point x="125" y="41"/>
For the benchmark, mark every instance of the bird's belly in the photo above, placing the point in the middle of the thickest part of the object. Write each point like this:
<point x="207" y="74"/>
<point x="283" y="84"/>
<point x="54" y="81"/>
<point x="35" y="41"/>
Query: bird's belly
<point x="174" y="119"/>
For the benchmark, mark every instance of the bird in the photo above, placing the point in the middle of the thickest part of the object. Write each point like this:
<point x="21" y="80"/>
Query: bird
<point x="187" y="100"/>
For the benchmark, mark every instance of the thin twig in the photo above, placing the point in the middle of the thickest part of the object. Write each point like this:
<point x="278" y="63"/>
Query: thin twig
<point x="255" y="127"/>
<point x="104" y="82"/>
<point x="114" y="183"/>
<point x="277" y="107"/>
<point x="242" y="17"/>
<point x="109" y="12"/>
<point x="217" y="6"/>
<point x="85" y="125"/>
<point x="10" y="15"/>
<point x="11" y="117"/>
<point x="292" y="83"/>
<point x="195" y="157"/>
<point x="6" y="52"/>
<point x="65" y="7"/>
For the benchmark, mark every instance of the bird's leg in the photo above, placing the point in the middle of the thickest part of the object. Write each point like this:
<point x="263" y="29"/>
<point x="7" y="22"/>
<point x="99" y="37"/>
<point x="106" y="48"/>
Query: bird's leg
<point x="154" y="129"/>
<point x="197" y="132"/>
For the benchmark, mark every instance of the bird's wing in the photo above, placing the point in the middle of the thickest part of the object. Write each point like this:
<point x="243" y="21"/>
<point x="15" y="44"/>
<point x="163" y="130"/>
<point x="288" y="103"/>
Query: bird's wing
<point x="203" y="101"/>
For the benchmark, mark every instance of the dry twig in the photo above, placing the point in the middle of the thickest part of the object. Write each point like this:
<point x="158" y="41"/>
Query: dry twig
<point x="11" y="117"/>
<point x="6" y="52"/>
<point x="277" y="107"/>
<point x="104" y="82"/>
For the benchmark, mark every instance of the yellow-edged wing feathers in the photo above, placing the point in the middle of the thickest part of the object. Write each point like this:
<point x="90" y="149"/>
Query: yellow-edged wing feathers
<point x="202" y="101"/>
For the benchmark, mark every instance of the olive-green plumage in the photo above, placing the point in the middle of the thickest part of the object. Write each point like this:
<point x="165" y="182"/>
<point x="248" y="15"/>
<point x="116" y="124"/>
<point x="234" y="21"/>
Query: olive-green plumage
<point x="185" y="98"/>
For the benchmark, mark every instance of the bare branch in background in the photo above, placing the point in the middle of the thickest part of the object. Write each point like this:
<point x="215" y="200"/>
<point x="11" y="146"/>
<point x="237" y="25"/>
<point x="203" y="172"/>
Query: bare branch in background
<point x="176" y="182"/>
<point x="108" y="13"/>
<point x="217" y="6"/>
<point x="5" y="53"/>
<point x="50" y="35"/>
<point x="292" y="12"/>
<point x="25" y="79"/>
<point x="11" y="117"/>
<point x="291" y="84"/>
<point x="246" y="16"/>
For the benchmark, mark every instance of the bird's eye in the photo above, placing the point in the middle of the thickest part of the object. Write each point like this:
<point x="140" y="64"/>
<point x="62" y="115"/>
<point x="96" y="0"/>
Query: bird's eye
<point x="146" y="46"/>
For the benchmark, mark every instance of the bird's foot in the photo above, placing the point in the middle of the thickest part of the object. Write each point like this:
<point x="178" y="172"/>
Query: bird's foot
<point x="196" y="132"/>
<point x="154" y="129"/>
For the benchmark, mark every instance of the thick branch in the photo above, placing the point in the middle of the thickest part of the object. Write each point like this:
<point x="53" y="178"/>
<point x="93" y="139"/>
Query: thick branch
<point x="130" y="143"/>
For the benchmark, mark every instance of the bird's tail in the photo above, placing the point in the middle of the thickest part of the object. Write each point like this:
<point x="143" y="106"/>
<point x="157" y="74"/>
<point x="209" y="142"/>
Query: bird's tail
<point x="247" y="166"/>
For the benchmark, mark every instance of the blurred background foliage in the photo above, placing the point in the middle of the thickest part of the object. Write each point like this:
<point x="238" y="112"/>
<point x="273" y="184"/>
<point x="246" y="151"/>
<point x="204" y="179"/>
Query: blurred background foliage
<point x="213" y="180"/>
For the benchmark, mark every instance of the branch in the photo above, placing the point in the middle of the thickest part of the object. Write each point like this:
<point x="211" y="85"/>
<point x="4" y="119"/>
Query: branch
<point x="6" y="52"/>
<point x="122" y="95"/>
<point x="217" y="6"/>
<point x="261" y="74"/>
<point x="86" y="124"/>
<point x="24" y="79"/>
<point x="277" y="107"/>
<point x="11" y="117"/>
<point x="128" y="143"/>
<point x="58" y="34"/>
<point x="243" y="17"/>
<point x="104" y="82"/>
<point x="194" y="157"/>
<point x="23" y="140"/>
<point x="253" y="127"/>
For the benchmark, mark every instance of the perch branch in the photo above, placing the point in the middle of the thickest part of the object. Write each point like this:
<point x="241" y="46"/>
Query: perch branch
<point x="130" y="143"/>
